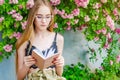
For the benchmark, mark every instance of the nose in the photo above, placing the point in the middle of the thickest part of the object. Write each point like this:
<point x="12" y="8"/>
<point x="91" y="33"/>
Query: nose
<point x="44" y="20"/>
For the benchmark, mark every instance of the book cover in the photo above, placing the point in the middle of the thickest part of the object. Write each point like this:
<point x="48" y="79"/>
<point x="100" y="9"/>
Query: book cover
<point x="42" y="61"/>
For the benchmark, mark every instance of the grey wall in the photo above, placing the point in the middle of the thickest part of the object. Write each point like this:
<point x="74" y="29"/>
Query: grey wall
<point x="75" y="50"/>
<point x="7" y="69"/>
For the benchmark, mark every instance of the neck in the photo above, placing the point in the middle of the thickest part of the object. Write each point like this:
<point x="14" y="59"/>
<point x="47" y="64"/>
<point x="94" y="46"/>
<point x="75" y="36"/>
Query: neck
<point x="42" y="33"/>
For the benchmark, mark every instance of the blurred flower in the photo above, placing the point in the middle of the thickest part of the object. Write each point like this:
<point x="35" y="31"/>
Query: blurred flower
<point x="17" y="16"/>
<point x="118" y="58"/>
<point x="20" y="6"/>
<point x="0" y="53"/>
<point x="82" y="3"/>
<point x="110" y="22"/>
<point x="96" y="38"/>
<point x="101" y="68"/>
<point x="13" y="1"/>
<point x="55" y="2"/>
<point x="55" y="25"/>
<point x="56" y="10"/>
<point x="106" y="46"/>
<point x="12" y="12"/>
<point x="108" y="35"/>
<point x="95" y="17"/>
<point x="30" y="4"/>
<point x="16" y="35"/>
<point x="110" y="40"/>
<point x="68" y="23"/>
<point x="115" y="12"/>
<point x="97" y="5"/>
<point x="86" y="18"/>
<point x="118" y="4"/>
<point x="111" y="62"/>
<point x="119" y="40"/>
<point x="76" y="12"/>
<point x="8" y="48"/>
<point x="117" y="30"/>
<point x="1" y="19"/>
<point x="98" y="31"/>
<point x="104" y="30"/>
<point x="105" y="12"/>
<point x="76" y="21"/>
<point x="103" y="1"/>
<point x="24" y="24"/>
<point x="1" y="2"/>
<point x="68" y="28"/>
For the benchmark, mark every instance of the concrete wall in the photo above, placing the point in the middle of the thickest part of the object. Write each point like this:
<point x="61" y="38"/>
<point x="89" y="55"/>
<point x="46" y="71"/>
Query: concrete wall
<point x="75" y="50"/>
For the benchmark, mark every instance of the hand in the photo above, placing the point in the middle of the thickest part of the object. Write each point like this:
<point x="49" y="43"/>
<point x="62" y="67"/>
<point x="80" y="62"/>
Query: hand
<point x="59" y="61"/>
<point x="29" y="61"/>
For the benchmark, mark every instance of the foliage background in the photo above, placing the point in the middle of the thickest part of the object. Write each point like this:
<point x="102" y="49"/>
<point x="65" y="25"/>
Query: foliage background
<point x="97" y="19"/>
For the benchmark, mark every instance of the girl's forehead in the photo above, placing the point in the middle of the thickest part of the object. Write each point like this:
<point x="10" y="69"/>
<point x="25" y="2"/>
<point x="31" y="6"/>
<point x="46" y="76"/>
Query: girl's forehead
<point x="44" y="10"/>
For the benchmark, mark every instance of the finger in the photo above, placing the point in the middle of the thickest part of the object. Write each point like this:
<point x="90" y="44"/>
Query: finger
<point x="58" y="62"/>
<point x="29" y="63"/>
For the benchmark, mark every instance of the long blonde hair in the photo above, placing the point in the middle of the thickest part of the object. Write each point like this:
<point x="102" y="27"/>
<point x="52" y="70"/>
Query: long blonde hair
<point x="29" y="31"/>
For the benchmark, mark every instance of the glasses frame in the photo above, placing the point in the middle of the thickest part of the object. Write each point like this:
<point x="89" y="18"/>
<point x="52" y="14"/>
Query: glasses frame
<point x="47" y="18"/>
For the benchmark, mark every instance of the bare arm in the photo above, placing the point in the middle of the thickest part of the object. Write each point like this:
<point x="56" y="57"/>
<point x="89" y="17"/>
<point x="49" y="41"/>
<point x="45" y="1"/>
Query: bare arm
<point x="24" y="62"/>
<point x="59" y="62"/>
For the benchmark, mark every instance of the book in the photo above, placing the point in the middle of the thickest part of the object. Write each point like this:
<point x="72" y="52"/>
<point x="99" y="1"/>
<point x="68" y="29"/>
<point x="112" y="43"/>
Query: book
<point x="43" y="62"/>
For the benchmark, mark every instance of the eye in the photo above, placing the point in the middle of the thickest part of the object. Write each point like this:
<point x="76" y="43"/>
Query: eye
<point x="48" y="17"/>
<point x="39" y="17"/>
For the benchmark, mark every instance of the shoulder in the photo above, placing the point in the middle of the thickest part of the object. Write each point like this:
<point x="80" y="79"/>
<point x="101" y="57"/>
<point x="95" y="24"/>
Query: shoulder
<point x="22" y="47"/>
<point x="60" y="38"/>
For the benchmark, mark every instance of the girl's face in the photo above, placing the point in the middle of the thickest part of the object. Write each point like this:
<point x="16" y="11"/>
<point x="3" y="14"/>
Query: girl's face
<point x="42" y="18"/>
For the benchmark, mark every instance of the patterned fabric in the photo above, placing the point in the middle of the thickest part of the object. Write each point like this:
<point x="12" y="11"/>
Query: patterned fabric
<point x="45" y="74"/>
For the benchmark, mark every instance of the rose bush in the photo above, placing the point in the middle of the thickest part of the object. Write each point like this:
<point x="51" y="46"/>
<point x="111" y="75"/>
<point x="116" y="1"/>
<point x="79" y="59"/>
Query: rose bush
<point x="97" y="19"/>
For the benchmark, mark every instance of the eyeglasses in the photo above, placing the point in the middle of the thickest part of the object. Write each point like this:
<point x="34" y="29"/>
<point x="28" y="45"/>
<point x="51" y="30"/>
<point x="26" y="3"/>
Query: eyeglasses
<point x="47" y="18"/>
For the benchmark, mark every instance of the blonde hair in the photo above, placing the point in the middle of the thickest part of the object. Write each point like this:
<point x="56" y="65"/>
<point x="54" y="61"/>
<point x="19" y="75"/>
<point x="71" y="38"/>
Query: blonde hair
<point x="29" y="31"/>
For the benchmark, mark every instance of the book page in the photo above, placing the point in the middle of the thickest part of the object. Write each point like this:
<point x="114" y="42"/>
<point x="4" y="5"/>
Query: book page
<point x="43" y="62"/>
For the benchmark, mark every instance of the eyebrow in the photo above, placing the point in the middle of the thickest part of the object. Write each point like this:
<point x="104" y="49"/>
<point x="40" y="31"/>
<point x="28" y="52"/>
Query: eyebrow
<point x="42" y="15"/>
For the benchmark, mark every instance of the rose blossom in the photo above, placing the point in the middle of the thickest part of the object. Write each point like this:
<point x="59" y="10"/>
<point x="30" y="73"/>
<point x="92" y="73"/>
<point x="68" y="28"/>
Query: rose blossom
<point x="8" y="48"/>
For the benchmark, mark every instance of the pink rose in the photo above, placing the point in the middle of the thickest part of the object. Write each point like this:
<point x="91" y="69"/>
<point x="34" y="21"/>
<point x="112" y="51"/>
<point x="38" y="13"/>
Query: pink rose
<point x="82" y="3"/>
<point x="0" y="53"/>
<point x="13" y="1"/>
<point x="106" y="46"/>
<point x="55" y="2"/>
<point x="115" y="12"/>
<point x="104" y="30"/>
<point x="97" y="5"/>
<point x="1" y="2"/>
<point x="96" y="38"/>
<point x="110" y="23"/>
<point x="30" y="4"/>
<point x="118" y="58"/>
<point x="68" y="28"/>
<point x="24" y="24"/>
<point x="86" y="18"/>
<point x="117" y="30"/>
<point x="8" y="48"/>
<point x="111" y="62"/>
<point x="1" y="19"/>
<point x="103" y="1"/>
<point x="76" y="12"/>
<point x="55" y="25"/>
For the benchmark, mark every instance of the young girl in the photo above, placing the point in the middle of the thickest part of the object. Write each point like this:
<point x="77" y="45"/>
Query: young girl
<point x="39" y="35"/>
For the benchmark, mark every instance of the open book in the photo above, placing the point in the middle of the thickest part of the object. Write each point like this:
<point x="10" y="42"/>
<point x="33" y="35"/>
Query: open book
<point x="42" y="61"/>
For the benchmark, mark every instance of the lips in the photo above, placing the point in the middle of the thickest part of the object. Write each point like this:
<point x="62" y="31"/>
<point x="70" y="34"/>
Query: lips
<point x="43" y="25"/>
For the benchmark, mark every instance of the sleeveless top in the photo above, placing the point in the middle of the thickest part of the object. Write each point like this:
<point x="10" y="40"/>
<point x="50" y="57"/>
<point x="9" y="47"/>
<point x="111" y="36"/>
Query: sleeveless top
<point x="53" y="48"/>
